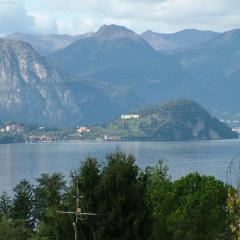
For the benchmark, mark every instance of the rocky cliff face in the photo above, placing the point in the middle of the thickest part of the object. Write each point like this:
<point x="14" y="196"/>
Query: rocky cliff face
<point x="32" y="90"/>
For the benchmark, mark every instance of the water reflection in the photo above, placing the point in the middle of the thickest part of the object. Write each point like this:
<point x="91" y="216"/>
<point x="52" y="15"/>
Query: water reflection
<point x="28" y="161"/>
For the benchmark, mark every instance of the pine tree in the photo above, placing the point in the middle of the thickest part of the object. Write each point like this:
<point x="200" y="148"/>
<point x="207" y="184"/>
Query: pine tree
<point x="23" y="203"/>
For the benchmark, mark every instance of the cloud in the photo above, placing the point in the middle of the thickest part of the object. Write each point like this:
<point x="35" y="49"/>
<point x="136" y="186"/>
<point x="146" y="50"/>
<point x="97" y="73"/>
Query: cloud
<point x="74" y="16"/>
<point x="44" y="24"/>
<point x="13" y="17"/>
<point x="159" y="15"/>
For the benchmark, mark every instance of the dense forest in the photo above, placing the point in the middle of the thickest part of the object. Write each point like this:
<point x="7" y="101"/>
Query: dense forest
<point x="131" y="203"/>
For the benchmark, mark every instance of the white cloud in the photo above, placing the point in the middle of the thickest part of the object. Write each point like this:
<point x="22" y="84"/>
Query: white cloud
<point x="13" y="17"/>
<point x="77" y="16"/>
<point x="43" y="23"/>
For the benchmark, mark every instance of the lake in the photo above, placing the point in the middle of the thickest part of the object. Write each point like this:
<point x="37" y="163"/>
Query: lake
<point x="29" y="160"/>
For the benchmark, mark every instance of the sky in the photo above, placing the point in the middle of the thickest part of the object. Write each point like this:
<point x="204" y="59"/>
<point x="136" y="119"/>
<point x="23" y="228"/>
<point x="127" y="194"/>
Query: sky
<point x="79" y="16"/>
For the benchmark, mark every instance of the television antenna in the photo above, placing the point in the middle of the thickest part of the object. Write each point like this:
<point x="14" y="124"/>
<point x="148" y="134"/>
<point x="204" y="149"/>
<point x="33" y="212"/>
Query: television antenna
<point x="78" y="214"/>
<point x="233" y="173"/>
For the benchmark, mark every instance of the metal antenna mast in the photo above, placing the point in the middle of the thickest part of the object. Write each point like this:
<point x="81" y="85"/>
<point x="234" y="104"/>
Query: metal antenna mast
<point x="78" y="213"/>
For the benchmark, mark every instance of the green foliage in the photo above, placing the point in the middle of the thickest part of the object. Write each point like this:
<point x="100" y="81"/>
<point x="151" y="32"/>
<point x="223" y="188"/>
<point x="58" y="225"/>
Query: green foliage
<point x="132" y="204"/>
<point x="13" y="230"/>
<point x="192" y="208"/>
<point x="159" y="189"/>
<point x="5" y="205"/>
<point x="89" y="179"/>
<point x="171" y="121"/>
<point x="48" y="199"/>
<point x="233" y="207"/>
<point x="23" y="203"/>
<point x="199" y="208"/>
<point x="123" y="199"/>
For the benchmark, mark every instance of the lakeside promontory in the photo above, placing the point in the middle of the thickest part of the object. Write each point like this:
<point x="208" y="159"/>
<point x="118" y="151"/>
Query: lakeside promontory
<point x="177" y="120"/>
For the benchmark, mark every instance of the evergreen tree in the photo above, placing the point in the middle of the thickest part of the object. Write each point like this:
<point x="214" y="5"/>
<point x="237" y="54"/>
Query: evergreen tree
<point x="159" y="187"/>
<point x="23" y="203"/>
<point x="48" y="200"/>
<point x="5" y="205"/>
<point x="89" y="180"/>
<point x="122" y="200"/>
<point x="13" y="230"/>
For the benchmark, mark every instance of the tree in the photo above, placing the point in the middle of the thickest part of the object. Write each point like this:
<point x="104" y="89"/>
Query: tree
<point x="23" y="203"/>
<point x="199" y="209"/>
<point x="159" y="187"/>
<point x="88" y="183"/>
<point x="13" y="230"/>
<point x="89" y="180"/>
<point x="5" y="205"/>
<point x="48" y="199"/>
<point x="233" y="206"/>
<point x="122" y="200"/>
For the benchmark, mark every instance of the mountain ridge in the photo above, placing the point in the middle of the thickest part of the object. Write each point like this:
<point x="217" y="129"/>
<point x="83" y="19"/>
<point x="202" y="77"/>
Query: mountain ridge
<point x="47" y="43"/>
<point x="178" y="41"/>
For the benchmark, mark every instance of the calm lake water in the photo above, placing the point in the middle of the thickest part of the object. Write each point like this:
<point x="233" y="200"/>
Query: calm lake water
<point x="18" y="161"/>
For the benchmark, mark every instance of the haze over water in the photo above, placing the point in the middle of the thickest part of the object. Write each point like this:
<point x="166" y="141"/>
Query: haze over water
<point x="18" y="161"/>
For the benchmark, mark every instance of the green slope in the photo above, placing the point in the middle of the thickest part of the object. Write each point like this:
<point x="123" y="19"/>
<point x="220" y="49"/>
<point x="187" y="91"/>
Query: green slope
<point x="177" y="120"/>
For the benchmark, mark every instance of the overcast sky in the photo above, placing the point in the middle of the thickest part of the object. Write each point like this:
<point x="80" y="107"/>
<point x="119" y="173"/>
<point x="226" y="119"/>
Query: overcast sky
<point x="78" y="16"/>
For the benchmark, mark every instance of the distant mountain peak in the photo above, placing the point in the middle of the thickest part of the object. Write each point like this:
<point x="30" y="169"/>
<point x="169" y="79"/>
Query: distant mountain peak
<point x="232" y="34"/>
<point x="149" y="32"/>
<point x="114" y="32"/>
<point x="178" y="41"/>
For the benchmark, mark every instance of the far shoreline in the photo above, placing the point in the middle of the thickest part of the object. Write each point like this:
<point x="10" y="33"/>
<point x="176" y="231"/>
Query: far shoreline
<point x="125" y="141"/>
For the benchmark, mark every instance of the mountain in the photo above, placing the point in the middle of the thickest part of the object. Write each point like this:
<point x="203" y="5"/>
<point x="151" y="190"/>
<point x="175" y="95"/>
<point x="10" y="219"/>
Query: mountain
<point x="46" y="44"/>
<point x="109" y="48"/>
<point x="206" y="69"/>
<point x="33" y="90"/>
<point x="121" y="66"/>
<point x="178" y="41"/>
<point x="214" y="69"/>
<point x="178" y="120"/>
<point x="119" y="56"/>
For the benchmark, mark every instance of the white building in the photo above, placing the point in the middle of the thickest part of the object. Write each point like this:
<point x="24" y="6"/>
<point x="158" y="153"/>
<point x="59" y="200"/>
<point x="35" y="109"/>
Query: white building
<point x="236" y="130"/>
<point x="130" y="117"/>
<point x="14" y="128"/>
<point x="83" y="130"/>
<point x="11" y="128"/>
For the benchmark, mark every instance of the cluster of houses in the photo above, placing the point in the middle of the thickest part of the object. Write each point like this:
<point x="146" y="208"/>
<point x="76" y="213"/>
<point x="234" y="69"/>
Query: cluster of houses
<point x="12" y="128"/>
<point x="236" y="129"/>
<point x="234" y="124"/>
<point x="83" y="130"/>
<point x="38" y="139"/>
<point x="112" y="138"/>
<point x="230" y="122"/>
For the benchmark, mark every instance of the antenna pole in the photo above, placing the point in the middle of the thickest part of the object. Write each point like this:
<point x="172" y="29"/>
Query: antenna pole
<point x="78" y="213"/>
<point x="78" y="210"/>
